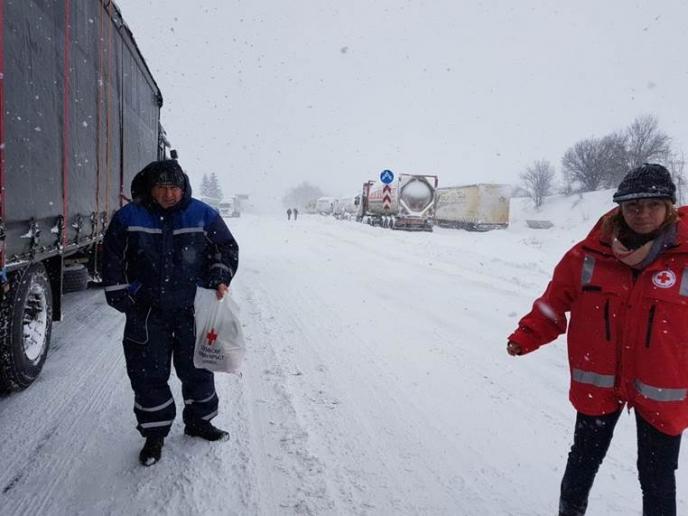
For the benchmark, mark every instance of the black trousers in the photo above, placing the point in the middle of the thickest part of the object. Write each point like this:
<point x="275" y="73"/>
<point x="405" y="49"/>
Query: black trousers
<point x="153" y="340"/>
<point x="657" y="463"/>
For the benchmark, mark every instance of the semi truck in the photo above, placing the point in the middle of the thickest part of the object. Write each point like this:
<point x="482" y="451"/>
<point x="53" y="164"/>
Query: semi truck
<point x="325" y="205"/>
<point x="479" y="207"/>
<point x="407" y="203"/>
<point x="213" y="202"/>
<point x="345" y="207"/>
<point x="79" y="117"/>
<point x="230" y="207"/>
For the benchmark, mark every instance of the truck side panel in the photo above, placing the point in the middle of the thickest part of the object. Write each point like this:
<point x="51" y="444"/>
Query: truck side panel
<point x="82" y="155"/>
<point x="140" y="117"/>
<point x="481" y="206"/>
<point x="81" y="119"/>
<point x="33" y="76"/>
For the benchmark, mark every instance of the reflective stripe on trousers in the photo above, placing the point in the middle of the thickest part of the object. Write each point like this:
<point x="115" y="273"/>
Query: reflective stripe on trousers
<point x="189" y="402"/>
<point x="156" y="424"/>
<point x="154" y="409"/>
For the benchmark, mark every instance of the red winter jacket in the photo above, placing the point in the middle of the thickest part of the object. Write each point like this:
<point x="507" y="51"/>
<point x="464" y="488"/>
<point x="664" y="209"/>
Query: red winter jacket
<point x="627" y="338"/>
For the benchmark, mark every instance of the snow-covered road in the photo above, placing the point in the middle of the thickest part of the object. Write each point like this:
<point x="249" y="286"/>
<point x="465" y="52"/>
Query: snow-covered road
<point x="376" y="382"/>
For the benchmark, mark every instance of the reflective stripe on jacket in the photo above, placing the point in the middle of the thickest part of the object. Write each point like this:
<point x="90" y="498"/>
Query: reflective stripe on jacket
<point x="157" y="257"/>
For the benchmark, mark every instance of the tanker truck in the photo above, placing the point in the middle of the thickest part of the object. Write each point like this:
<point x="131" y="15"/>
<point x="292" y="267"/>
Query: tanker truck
<point x="79" y="116"/>
<point x="407" y="203"/>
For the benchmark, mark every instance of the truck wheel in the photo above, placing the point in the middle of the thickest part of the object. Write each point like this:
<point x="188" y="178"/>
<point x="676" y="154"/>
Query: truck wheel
<point x="25" y="333"/>
<point x="75" y="278"/>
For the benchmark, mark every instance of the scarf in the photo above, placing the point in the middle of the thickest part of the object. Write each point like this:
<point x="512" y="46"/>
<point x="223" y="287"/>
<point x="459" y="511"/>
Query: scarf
<point x="639" y="251"/>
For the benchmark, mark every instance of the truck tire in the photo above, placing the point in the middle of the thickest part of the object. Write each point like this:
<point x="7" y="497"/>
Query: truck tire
<point x="27" y="320"/>
<point x="75" y="278"/>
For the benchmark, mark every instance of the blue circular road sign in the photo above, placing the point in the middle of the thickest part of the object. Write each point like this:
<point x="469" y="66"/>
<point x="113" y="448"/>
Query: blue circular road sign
<point x="386" y="176"/>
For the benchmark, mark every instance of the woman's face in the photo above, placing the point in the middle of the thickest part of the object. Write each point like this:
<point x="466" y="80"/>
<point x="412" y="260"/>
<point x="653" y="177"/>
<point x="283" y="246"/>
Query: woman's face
<point x="644" y="215"/>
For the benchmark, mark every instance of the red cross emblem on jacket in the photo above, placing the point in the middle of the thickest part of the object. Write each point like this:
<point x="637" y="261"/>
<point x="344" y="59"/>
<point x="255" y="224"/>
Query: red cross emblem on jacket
<point x="664" y="279"/>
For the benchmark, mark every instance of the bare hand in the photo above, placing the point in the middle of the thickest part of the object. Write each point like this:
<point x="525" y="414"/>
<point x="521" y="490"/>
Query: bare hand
<point x="222" y="289"/>
<point x="513" y="349"/>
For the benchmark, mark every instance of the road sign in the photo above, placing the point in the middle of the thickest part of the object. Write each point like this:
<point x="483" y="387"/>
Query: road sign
<point x="386" y="176"/>
<point x="387" y="197"/>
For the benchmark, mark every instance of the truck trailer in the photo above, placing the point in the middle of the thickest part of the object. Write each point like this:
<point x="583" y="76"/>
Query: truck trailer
<point x="230" y="207"/>
<point x="345" y="207"/>
<point x="407" y="203"/>
<point x="79" y="117"/>
<point x="325" y="205"/>
<point x="479" y="207"/>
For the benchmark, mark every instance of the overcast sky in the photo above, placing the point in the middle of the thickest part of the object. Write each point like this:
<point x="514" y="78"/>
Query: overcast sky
<point x="267" y="94"/>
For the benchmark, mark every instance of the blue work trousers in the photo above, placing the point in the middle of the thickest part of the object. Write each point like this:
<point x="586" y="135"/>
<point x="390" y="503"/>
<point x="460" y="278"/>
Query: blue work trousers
<point x="153" y="340"/>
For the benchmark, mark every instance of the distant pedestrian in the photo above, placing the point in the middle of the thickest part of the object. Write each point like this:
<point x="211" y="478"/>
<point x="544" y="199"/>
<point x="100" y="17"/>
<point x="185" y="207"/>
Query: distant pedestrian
<point x="296" y="213"/>
<point x="625" y="287"/>
<point x="289" y="214"/>
<point x="157" y="250"/>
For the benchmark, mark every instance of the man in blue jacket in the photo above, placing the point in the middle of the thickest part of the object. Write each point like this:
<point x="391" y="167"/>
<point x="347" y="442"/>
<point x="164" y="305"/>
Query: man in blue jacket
<point x="157" y="250"/>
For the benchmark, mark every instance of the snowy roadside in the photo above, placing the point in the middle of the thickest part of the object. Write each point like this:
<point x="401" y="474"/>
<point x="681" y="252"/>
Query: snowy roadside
<point x="376" y="382"/>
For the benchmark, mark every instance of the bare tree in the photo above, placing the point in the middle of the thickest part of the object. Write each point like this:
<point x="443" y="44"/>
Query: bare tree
<point x="612" y="159"/>
<point x="537" y="180"/>
<point x="300" y="195"/>
<point x="582" y="163"/>
<point x="646" y="142"/>
<point x="596" y="163"/>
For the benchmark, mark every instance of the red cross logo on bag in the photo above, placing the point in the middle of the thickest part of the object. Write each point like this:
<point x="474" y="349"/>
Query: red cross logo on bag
<point x="212" y="337"/>
<point x="664" y="279"/>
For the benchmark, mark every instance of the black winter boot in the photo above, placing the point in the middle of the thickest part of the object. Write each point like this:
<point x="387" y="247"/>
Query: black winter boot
<point x="150" y="453"/>
<point x="206" y="431"/>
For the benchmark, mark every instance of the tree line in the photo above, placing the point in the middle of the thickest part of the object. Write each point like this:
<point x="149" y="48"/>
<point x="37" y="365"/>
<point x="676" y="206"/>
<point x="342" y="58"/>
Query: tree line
<point x="599" y="163"/>
<point x="301" y="194"/>
<point x="210" y="187"/>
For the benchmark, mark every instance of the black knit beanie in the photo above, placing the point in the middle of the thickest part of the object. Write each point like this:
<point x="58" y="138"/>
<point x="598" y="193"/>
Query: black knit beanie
<point x="166" y="172"/>
<point x="649" y="181"/>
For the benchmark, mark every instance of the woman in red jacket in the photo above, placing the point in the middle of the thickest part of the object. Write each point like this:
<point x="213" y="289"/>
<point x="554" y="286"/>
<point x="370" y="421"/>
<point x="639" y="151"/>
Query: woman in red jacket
<point x="626" y="288"/>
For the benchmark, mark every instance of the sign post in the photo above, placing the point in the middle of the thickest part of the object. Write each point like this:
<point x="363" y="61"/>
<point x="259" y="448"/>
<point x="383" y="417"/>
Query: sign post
<point x="387" y="176"/>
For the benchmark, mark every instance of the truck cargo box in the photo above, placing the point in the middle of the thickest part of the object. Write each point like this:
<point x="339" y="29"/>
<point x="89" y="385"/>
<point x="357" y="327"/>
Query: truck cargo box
<point x="79" y="117"/>
<point x="478" y="207"/>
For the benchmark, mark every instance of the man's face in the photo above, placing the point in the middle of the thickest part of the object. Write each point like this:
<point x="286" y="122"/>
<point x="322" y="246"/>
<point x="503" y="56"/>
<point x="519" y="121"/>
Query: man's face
<point x="167" y="196"/>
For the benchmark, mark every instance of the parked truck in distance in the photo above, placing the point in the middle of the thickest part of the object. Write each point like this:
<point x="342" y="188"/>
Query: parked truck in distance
<point x="479" y="207"/>
<point x="230" y="207"/>
<point x="345" y="208"/>
<point x="79" y="117"/>
<point x="407" y="203"/>
<point x="325" y="205"/>
<point x="213" y="202"/>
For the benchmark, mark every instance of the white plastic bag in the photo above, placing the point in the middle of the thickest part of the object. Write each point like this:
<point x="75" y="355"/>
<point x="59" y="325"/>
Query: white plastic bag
<point x="219" y="339"/>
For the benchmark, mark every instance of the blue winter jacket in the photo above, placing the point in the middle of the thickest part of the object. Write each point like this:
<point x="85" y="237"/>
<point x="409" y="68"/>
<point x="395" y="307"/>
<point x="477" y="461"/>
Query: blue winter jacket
<point x="155" y="257"/>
